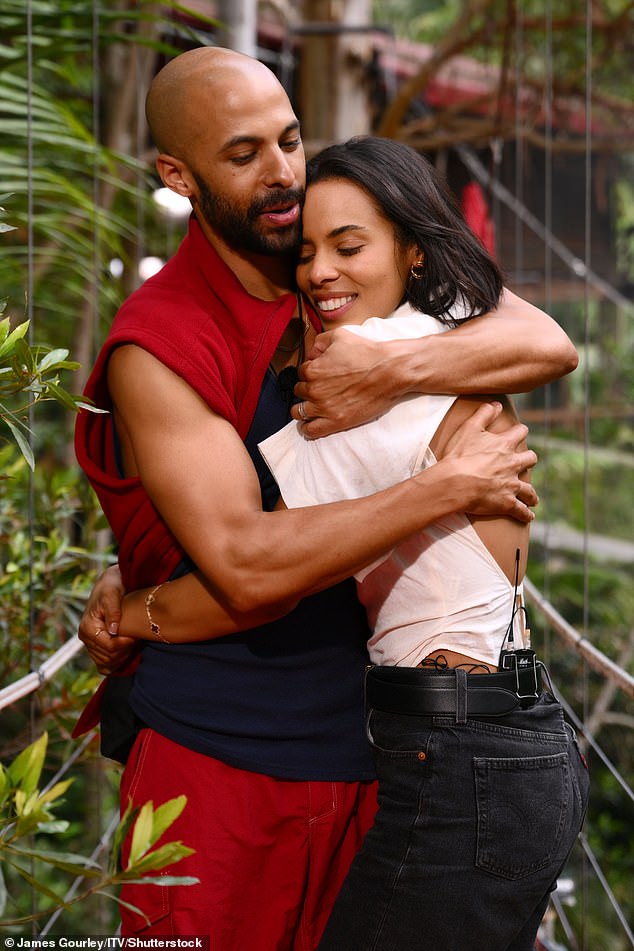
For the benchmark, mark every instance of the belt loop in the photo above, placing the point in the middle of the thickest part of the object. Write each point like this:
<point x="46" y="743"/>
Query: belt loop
<point x="461" y="695"/>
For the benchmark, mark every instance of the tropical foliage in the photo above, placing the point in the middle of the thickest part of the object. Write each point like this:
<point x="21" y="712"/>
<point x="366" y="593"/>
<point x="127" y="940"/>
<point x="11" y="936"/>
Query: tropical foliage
<point x="77" y="183"/>
<point x="27" y="816"/>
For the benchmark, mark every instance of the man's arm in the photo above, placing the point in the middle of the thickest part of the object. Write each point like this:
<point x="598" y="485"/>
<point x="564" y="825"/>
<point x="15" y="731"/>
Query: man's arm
<point x="255" y="565"/>
<point x="200" y="477"/>
<point x="349" y="380"/>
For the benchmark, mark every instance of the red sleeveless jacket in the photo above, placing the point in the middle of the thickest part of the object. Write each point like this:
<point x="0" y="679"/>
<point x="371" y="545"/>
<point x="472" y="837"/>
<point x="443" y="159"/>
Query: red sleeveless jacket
<point x="197" y="319"/>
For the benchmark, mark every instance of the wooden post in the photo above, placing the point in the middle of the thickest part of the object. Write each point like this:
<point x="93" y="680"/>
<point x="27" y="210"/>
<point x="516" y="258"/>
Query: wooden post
<point x="334" y="53"/>
<point x="238" y="29"/>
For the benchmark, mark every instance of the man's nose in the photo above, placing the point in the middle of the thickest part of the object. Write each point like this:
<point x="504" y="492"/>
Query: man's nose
<point x="280" y="171"/>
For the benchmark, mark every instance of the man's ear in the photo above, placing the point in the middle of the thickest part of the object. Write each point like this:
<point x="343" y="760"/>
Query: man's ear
<point x="174" y="174"/>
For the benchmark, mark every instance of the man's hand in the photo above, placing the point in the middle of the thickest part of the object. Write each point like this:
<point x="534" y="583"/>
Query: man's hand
<point x="348" y="380"/>
<point x="495" y="463"/>
<point x="99" y="625"/>
<point x="344" y="383"/>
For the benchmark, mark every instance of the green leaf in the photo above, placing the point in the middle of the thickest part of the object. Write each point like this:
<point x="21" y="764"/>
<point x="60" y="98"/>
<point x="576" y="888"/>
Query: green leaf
<point x="23" y="359"/>
<point x="39" y="887"/>
<point x="67" y="861"/>
<point x="142" y="833"/>
<point x="51" y="359"/>
<point x="22" y="442"/>
<point x="120" y="834"/>
<point x="125" y="904"/>
<point x="54" y="827"/>
<point x="61" y="396"/>
<point x="8" y="343"/>
<point x="165" y="815"/>
<point x="56" y="791"/>
<point x="26" y="768"/>
<point x="84" y="404"/>
<point x="5" y="323"/>
<point x="159" y="858"/>
<point x="3" y="893"/>
<point x="5" y="785"/>
<point x="161" y="880"/>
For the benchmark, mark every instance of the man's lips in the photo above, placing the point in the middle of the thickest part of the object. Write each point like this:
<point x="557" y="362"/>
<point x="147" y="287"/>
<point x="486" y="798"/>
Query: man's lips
<point x="287" y="215"/>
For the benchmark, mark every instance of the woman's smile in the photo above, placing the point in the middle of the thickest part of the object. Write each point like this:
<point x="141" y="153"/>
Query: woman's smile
<point x="351" y="264"/>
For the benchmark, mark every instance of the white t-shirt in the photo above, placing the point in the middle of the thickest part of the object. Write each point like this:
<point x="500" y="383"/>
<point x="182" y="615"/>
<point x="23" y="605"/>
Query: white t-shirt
<point x="439" y="589"/>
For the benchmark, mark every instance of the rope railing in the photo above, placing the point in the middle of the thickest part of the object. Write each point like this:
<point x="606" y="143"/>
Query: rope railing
<point x="37" y="678"/>
<point x="591" y="654"/>
<point x="598" y="871"/>
<point x="32" y="682"/>
<point x="594" y="657"/>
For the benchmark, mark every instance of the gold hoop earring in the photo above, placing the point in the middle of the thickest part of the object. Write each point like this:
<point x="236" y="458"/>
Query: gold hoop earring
<point x="418" y="267"/>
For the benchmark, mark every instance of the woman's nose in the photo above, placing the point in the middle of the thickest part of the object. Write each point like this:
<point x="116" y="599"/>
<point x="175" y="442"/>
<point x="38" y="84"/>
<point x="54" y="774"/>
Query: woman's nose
<point x="321" y="270"/>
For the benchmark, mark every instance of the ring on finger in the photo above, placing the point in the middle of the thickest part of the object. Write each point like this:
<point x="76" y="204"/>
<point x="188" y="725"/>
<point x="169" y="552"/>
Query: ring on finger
<point x="302" y="411"/>
<point x="99" y="631"/>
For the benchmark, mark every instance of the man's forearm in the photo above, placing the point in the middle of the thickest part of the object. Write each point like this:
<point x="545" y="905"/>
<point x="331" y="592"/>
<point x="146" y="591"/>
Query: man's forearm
<point x="349" y="380"/>
<point x="513" y="350"/>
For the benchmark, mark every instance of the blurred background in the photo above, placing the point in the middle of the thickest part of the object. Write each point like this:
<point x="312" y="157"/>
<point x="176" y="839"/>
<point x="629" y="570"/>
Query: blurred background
<point x="527" y="107"/>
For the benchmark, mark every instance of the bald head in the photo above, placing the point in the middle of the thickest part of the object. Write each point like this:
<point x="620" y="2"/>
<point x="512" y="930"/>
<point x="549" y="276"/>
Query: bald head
<point x="194" y="90"/>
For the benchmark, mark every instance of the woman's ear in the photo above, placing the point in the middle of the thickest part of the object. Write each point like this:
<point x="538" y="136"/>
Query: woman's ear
<point x="417" y="266"/>
<point x="174" y="174"/>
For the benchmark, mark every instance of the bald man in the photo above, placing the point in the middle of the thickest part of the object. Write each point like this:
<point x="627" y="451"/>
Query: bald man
<point x="261" y="727"/>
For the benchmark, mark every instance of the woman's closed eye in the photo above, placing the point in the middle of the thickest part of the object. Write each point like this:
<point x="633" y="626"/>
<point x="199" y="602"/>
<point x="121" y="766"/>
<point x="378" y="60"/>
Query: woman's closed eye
<point x="305" y="255"/>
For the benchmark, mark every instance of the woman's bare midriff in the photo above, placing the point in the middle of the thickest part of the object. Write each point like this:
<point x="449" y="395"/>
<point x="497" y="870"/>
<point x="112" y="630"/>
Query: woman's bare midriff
<point x="453" y="659"/>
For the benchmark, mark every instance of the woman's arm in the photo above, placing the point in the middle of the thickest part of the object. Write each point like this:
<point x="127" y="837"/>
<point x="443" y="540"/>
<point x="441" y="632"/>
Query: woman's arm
<point x="256" y="564"/>
<point x="200" y="477"/>
<point x="349" y="379"/>
<point x="186" y="610"/>
<point x="502" y="536"/>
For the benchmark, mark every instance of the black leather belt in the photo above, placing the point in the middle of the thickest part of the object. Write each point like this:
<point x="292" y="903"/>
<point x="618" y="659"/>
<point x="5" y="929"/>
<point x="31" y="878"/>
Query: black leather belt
<point x="452" y="692"/>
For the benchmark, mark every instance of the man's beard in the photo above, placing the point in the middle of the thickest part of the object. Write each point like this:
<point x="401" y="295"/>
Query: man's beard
<point x="239" y="228"/>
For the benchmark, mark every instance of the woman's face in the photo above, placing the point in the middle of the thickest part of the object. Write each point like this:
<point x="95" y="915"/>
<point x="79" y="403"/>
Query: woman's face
<point x="350" y="264"/>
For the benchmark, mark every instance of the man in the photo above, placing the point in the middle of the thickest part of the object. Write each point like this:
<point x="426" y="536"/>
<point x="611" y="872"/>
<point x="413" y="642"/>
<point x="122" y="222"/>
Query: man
<point x="262" y="729"/>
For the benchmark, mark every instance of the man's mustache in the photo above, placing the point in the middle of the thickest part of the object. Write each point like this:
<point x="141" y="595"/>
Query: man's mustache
<point x="282" y="197"/>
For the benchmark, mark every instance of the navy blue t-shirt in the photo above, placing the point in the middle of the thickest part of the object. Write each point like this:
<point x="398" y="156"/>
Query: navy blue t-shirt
<point x="284" y="699"/>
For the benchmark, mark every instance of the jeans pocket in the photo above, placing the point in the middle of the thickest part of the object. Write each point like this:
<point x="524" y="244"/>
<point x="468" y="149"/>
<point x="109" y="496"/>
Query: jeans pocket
<point x="397" y="737"/>
<point x="522" y="807"/>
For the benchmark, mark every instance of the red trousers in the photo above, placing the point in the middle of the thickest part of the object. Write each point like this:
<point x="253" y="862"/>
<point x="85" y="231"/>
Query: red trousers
<point x="271" y="854"/>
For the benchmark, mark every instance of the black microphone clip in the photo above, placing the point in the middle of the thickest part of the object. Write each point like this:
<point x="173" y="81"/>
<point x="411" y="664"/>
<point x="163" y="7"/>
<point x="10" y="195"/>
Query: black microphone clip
<point x="287" y="378"/>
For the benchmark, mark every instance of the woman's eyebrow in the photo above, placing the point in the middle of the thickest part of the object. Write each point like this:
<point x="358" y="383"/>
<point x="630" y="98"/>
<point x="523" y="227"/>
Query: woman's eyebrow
<point x="336" y="232"/>
<point x="344" y="228"/>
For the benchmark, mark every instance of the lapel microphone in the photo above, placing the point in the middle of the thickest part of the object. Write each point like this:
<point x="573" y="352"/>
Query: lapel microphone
<point x="287" y="378"/>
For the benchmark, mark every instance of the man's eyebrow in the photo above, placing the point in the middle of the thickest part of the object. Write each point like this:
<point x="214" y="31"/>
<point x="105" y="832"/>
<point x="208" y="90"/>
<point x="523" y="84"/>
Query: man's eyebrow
<point x="238" y="140"/>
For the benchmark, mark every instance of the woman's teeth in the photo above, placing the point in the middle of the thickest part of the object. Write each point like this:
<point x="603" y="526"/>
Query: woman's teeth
<point x="335" y="303"/>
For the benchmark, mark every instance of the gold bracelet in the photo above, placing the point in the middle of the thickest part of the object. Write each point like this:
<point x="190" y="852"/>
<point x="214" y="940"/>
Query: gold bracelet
<point x="154" y="627"/>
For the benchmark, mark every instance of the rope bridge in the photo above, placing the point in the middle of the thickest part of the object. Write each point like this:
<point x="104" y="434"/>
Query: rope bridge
<point x="124" y="134"/>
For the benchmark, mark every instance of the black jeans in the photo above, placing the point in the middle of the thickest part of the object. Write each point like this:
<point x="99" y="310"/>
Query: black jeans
<point x="475" y="822"/>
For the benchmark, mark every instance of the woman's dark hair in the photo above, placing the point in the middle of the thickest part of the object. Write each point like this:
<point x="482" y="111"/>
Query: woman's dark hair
<point x="408" y="192"/>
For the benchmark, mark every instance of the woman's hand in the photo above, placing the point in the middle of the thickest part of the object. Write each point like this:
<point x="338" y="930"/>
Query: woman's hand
<point x="99" y="625"/>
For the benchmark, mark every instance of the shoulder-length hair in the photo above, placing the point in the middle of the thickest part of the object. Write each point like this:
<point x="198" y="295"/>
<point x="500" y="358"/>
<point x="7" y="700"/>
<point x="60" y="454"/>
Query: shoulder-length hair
<point x="459" y="278"/>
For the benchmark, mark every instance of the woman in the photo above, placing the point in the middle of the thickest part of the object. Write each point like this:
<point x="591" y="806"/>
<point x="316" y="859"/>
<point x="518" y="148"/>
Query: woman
<point x="481" y="793"/>
<point x="477" y="810"/>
